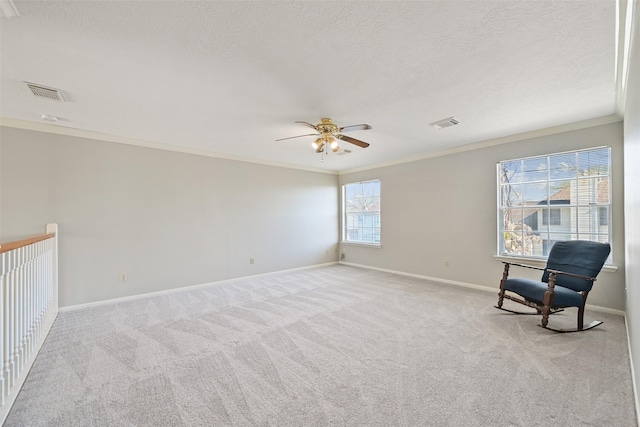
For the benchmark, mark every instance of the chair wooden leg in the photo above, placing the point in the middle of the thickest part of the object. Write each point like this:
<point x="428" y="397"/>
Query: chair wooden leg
<point x="547" y="301"/>
<point x="581" y="318"/>
<point x="581" y="311"/>
<point x="505" y="275"/>
<point x="545" y="316"/>
<point x="500" y="298"/>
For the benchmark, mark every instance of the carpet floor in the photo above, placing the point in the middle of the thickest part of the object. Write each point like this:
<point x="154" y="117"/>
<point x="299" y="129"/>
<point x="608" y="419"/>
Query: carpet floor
<point x="330" y="346"/>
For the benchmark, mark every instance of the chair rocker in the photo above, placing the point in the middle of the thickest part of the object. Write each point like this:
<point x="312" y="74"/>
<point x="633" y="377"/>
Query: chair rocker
<point x="571" y="270"/>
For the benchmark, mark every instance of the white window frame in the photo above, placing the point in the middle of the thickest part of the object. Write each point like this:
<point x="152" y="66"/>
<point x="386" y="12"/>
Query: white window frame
<point x="347" y="237"/>
<point x="601" y="232"/>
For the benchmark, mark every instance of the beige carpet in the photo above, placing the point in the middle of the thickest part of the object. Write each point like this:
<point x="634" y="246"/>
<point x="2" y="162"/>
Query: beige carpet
<point x="332" y="346"/>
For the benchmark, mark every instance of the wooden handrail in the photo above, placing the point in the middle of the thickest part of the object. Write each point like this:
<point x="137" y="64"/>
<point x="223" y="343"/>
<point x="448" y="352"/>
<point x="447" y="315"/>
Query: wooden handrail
<point x="6" y="247"/>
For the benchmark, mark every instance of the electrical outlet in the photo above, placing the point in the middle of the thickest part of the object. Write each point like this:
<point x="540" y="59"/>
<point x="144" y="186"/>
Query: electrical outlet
<point x="123" y="277"/>
<point x="326" y="252"/>
<point x="446" y="263"/>
<point x="251" y="261"/>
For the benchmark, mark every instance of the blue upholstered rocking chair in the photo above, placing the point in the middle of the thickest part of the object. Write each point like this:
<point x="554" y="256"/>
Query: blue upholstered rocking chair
<point x="571" y="269"/>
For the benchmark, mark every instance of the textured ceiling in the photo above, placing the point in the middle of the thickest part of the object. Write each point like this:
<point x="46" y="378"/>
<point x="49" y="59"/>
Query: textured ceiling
<point x="232" y="77"/>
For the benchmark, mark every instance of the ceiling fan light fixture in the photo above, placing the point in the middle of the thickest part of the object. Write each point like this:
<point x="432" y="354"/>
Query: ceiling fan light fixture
<point x="328" y="134"/>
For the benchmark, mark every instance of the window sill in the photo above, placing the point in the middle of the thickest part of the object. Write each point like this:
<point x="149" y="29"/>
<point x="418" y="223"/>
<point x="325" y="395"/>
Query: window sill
<point x="367" y="245"/>
<point x="541" y="262"/>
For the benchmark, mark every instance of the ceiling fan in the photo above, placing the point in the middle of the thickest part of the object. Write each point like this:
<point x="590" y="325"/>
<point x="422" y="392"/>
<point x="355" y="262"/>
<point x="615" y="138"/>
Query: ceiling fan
<point x="328" y="133"/>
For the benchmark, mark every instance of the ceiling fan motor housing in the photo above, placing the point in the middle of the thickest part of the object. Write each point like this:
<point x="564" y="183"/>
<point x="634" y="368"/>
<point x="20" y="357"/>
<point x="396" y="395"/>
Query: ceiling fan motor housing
<point x="326" y="126"/>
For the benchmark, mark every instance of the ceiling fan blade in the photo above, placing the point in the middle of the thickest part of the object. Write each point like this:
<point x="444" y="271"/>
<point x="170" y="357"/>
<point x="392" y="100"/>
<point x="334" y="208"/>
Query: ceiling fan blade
<point x="299" y="136"/>
<point x="353" y="141"/>
<point x="355" y="127"/>
<point x="307" y="124"/>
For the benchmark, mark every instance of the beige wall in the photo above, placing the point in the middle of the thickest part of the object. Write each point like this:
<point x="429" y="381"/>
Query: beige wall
<point x="167" y="219"/>
<point x="632" y="195"/>
<point x="170" y="219"/>
<point x="444" y="208"/>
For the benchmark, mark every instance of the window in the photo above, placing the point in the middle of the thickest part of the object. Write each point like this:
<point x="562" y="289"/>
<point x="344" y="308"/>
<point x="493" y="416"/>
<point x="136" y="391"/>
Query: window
<point x="361" y="212"/>
<point x="603" y="213"/>
<point x="551" y="216"/>
<point x="563" y="196"/>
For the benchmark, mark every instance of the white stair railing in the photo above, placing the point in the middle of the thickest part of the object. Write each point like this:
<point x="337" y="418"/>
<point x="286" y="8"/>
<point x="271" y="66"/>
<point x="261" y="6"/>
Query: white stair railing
<point x="29" y="306"/>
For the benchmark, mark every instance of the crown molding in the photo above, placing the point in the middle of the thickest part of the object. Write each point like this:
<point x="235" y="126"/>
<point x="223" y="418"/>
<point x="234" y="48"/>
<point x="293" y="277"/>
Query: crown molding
<point x="625" y="16"/>
<point x="81" y="133"/>
<point x="613" y="118"/>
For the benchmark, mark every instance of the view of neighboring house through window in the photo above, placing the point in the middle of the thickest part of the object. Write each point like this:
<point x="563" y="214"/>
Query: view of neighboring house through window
<point x="361" y="212"/>
<point x="546" y="199"/>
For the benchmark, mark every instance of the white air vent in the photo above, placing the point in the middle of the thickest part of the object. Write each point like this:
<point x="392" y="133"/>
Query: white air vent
<point x="50" y="118"/>
<point x="46" y="92"/>
<point x="444" y="123"/>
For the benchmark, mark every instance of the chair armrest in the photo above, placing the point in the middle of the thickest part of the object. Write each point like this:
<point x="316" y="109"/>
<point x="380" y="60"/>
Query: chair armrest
<point x="524" y="265"/>
<point x="593" y="279"/>
<point x="552" y="271"/>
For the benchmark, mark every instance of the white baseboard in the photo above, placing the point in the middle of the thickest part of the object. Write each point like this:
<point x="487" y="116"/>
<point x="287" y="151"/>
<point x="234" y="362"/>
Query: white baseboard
<point x="368" y="267"/>
<point x="468" y="285"/>
<point x="420" y="276"/>
<point x="186" y="288"/>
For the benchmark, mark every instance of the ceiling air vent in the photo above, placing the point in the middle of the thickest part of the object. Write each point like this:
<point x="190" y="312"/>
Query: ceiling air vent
<point x="46" y="92"/>
<point x="343" y="152"/>
<point x="444" y="123"/>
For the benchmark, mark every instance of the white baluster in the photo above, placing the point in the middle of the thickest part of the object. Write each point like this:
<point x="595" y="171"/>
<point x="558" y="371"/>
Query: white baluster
<point x="4" y="385"/>
<point x="29" y="306"/>
<point x="12" y="321"/>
